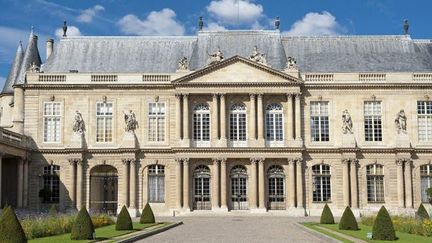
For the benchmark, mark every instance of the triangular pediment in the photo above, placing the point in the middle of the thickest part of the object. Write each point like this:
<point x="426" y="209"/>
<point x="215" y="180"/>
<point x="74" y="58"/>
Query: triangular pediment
<point x="238" y="70"/>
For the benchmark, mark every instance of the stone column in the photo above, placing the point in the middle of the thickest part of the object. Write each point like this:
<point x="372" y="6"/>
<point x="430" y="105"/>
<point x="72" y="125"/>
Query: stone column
<point x="215" y="187"/>
<point x="298" y="118"/>
<point x="345" y="181"/>
<point x="72" y="194"/>
<point x="214" y="126"/>
<point x="223" y="184"/>
<point x="20" y="182"/>
<point x="299" y="179"/>
<point x="1" y="169"/>
<point x="289" y="118"/>
<point x="25" y="192"/>
<point x="178" y="183"/>
<point x="186" y="205"/>
<point x="178" y="117"/>
<point x="125" y="201"/>
<point x="408" y="184"/>
<point x="286" y="180"/>
<point x="291" y="184"/>
<point x="260" y="119"/>
<point x="132" y="203"/>
<point x="186" y="124"/>
<point x="354" y="191"/>
<point x="223" y="117"/>
<point x="79" y="184"/>
<point x="252" y="118"/>
<point x="253" y="184"/>
<point x="261" y="184"/>
<point x="400" y="185"/>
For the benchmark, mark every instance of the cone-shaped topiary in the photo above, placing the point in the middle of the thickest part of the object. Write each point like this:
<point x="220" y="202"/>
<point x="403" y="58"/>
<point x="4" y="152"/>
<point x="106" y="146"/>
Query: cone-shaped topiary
<point x="383" y="226"/>
<point x="147" y="216"/>
<point x="83" y="228"/>
<point x="348" y="221"/>
<point x="11" y="230"/>
<point x="327" y="216"/>
<point x="422" y="213"/>
<point x="53" y="211"/>
<point x="124" y="221"/>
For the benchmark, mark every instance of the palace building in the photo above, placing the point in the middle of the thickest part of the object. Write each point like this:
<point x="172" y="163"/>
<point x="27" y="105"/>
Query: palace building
<point x="218" y="122"/>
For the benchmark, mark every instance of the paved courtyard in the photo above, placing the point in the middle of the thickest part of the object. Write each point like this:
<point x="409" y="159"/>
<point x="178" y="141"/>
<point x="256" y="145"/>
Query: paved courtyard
<point x="236" y="229"/>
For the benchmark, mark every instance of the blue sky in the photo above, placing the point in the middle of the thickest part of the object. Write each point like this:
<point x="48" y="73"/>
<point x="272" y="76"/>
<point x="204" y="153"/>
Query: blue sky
<point x="179" y="17"/>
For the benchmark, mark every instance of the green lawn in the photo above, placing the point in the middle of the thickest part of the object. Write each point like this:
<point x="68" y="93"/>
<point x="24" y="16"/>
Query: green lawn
<point x="361" y="234"/>
<point x="102" y="233"/>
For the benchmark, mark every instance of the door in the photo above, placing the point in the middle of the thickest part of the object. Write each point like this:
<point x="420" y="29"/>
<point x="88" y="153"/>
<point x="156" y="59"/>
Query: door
<point x="239" y="193"/>
<point x="202" y="193"/>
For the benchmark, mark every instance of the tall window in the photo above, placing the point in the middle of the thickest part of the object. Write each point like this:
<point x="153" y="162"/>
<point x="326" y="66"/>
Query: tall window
<point x="156" y="116"/>
<point x="52" y="119"/>
<point x="104" y="122"/>
<point x="321" y="183"/>
<point x="276" y="187"/>
<point x="424" y="115"/>
<point x="426" y="181"/>
<point x="156" y="183"/>
<point x="375" y="183"/>
<point x="372" y="121"/>
<point x="274" y="122"/>
<point x="201" y="123"/>
<point x="51" y="184"/>
<point x="238" y="122"/>
<point x="319" y="121"/>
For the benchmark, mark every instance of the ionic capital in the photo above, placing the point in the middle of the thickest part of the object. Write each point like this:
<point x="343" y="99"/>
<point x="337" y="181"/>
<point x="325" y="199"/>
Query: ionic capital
<point x="128" y="161"/>
<point x="222" y="95"/>
<point x="223" y="161"/>
<point x="252" y="96"/>
<point x="185" y="160"/>
<point x="215" y="95"/>
<point x="73" y="161"/>
<point x="178" y="96"/>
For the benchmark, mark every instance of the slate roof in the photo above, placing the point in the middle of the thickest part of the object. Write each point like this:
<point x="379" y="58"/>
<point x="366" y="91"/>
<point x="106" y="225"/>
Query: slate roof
<point x="14" y="71"/>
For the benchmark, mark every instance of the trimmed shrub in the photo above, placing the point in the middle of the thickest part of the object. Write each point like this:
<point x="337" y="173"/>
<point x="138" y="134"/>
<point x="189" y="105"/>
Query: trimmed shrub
<point x="383" y="226"/>
<point x="124" y="221"/>
<point x="422" y="213"/>
<point x="348" y="221"/>
<point x="82" y="228"/>
<point x="327" y="216"/>
<point x="10" y="228"/>
<point x="147" y="216"/>
<point x="53" y="211"/>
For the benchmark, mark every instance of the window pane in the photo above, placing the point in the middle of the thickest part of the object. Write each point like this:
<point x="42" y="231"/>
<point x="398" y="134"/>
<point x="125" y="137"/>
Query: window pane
<point x="319" y="122"/>
<point x="52" y="122"/>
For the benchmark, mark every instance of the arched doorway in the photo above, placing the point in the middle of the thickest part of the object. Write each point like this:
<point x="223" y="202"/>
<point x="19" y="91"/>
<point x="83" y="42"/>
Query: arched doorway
<point x="103" y="189"/>
<point x="239" y="198"/>
<point x="276" y="188"/>
<point x="202" y="199"/>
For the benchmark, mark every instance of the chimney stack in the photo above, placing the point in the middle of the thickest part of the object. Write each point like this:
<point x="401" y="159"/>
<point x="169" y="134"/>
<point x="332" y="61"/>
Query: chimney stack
<point x="49" y="47"/>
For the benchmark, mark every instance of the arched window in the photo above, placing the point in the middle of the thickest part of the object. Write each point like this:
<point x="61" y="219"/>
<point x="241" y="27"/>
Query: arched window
<point x="51" y="179"/>
<point x="321" y="183"/>
<point x="238" y="122"/>
<point x="156" y="183"/>
<point x="274" y="123"/>
<point x="202" y="188"/>
<point x="276" y="187"/>
<point x="239" y="196"/>
<point x="375" y="183"/>
<point x="201" y="123"/>
<point x="426" y="181"/>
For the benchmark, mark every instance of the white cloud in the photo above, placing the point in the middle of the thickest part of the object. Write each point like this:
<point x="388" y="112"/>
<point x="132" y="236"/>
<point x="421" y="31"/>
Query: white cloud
<point x="71" y="31"/>
<point x="214" y="27"/>
<point x="316" y="24"/>
<point x="87" y="15"/>
<point x="157" y="23"/>
<point x="235" y="11"/>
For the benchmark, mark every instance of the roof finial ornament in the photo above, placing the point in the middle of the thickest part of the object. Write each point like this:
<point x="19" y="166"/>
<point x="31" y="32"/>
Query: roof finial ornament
<point x="65" y="28"/>
<point x="258" y="57"/>
<point x="183" y="64"/>
<point x="200" y="23"/>
<point x="406" y="27"/>
<point x="215" y="57"/>
<point x="277" y="23"/>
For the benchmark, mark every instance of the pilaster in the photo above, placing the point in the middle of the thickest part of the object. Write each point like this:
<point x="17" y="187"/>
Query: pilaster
<point x="223" y="184"/>
<point x="214" y="126"/>
<point x="186" y="196"/>
<point x="223" y="130"/>
<point x="186" y="125"/>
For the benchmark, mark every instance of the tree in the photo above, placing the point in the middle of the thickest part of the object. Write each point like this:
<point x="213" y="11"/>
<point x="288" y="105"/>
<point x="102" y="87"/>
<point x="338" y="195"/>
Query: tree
<point x="124" y="221"/>
<point x="327" y="216"/>
<point x="383" y="226"/>
<point x="147" y="216"/>
<point x="422" y="213"/>
<point x="11" y="230"/>
<point x="348" y="221"/>
<point x="83" y="228"/>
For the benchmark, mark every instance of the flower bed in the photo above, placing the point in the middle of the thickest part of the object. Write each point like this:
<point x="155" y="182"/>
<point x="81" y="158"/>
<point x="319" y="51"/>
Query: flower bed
<point x="405" y="224"/>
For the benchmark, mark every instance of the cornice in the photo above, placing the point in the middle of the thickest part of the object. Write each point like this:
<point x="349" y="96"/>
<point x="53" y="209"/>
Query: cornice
<point x="98" y="86"/>
<point x="367" y="85"/>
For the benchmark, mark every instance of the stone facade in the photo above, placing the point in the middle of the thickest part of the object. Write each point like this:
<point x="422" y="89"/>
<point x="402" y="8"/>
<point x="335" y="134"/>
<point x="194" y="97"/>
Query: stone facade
<point x="183" y="154"/>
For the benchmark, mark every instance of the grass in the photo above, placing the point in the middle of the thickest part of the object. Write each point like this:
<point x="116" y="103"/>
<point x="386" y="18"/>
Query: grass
<point x="361" y="234"/>
<point x="313" y="227"/>
<point x="102" y="233"/>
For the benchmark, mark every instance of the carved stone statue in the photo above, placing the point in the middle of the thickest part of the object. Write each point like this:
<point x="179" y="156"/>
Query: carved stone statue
<point x="258" y="57"/>
<point x="130" y="121"/>
<point x="291" y="63"/>
<point x="34" y="68"/>
<point x="183" y="64"/>
<point x="400" y="122"/>
<point x="346" y="123"/>
<point x="215" y="57"/>
<point x="78" y="124"/>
